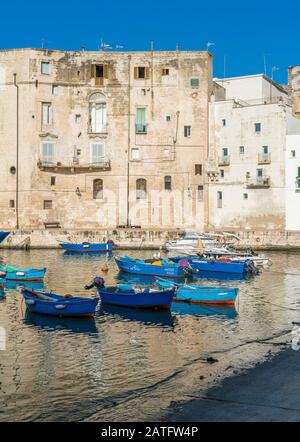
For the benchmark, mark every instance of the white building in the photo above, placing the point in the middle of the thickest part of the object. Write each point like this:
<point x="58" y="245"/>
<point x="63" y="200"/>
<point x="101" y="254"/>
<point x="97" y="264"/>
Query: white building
<point x="250" y="122"/>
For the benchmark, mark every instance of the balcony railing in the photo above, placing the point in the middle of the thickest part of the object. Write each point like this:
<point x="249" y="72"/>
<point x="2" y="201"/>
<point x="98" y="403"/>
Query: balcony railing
<point x="259" y="183"/>
<point x="141" y="128"/>
<point x="73" y="166"/>
<point x="264" y="158"/>
<point x="224" y="161"/>
<point x="102" y="129"/>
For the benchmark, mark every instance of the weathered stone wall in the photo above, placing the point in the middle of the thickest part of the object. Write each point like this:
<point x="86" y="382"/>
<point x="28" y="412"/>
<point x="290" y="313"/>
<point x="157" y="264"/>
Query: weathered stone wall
<point x="73" y="205"/>
<point x="144" y="238"/>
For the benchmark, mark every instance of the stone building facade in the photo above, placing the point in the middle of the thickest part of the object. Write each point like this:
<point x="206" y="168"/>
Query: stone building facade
<point x="93" y="139"/>
<point x="251" y="127"/>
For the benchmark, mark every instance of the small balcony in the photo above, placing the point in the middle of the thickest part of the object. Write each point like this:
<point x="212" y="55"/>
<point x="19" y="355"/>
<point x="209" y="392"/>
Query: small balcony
<point x="74" y="166"/>
<point x="224" y="161"/>
<point x="141" y="128"/>
<point x="259" y="183"/>
<point x="95" y="130"/>
<point x="264" y="158"/>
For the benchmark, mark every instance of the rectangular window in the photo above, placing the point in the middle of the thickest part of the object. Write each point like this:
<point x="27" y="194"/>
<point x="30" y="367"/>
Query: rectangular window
<point x="242" y="150"/>
<point x="99" y="72"/>
<point x="12" y="204"/>
<point x="245" y="196"/>
<point x="298" y="172"/>
<point x="55" y="89"/>
<point x="223" y="122"/>
<point x="225" y="152"/>
<point x="198" y="169"/>
<point x="194" y="82"/>
<point x="53" y="180"/>
<point x="47" y="152"/>
<point x="168" y="118"/>
<point x="47" y="204"/>
<point x="141" y="73"/>
<point x="77" y="118"/>
<point x="141" y="120"/>
<point x="187" y="131"/>
<point x="47" y="114"/>
<point x="200" y="194"/>
<point x="97" y="153"/>
<point x="219" y="200"/>
<point x="293" y="153"/>
<point x="135" y="154"/>
<point x="45" y="67"/>
<point x="265" y="150"/>
<point x="222" y="173"/>
<point x="165" y="72"/>
<point x="257" y="127"/>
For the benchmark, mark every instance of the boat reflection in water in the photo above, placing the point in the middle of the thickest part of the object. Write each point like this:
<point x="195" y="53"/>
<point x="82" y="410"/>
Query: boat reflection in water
<point x="184" y="308"/>
<point x="52" y="323"/>
<point x="162" y="318"/>
<point x="32" y="285"/>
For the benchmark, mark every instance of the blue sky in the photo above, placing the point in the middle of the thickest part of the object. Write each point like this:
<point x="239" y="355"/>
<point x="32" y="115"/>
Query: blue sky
<point x="243" y="31"/>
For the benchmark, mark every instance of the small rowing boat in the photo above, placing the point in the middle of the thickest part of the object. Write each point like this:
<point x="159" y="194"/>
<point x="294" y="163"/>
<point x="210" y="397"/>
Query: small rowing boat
<point x="18" y="274"/>
<point x="87" y="247"/>
<point x="58" y="305"/>
<point x="197" y="294"/>
<point x="153" y="267"/>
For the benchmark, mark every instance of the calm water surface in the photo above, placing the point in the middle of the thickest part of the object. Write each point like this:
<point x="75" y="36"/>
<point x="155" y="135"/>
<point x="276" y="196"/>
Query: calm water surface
<point x="126" y="364"/>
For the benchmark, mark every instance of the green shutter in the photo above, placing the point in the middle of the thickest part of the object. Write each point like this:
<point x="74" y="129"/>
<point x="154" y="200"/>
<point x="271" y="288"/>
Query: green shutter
<point x="141" y="116"/>
<point x="298" y="171"/>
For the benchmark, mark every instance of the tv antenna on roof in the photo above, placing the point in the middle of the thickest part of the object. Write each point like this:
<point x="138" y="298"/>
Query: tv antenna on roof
<point x="274" y="69"/>
<point x="104" y="46"/>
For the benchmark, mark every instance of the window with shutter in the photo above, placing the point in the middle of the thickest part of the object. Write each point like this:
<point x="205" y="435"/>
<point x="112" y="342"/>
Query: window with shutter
<point x="47" y="204"/>
<point x="47" y="149"/>
<point x="141" y="120"/>
<point x="97" y="150"/>
<point x="298" y="172"/>
<point x="141" y="73"/>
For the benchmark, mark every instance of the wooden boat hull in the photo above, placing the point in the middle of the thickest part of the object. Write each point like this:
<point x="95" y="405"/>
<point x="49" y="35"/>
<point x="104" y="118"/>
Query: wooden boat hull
<point x="60" y="306"/>
<point x="24" y="274"/>
<point x="140" y="268"/>
<point x="204" y="265"/>
<point x="196" y="294"/>
<point x="159" y="300"/>
<point x="87" y="248"/>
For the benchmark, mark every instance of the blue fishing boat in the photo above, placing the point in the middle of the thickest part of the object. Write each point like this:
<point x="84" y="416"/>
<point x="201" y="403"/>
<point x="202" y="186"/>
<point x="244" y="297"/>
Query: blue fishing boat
<point x="186" y="309"/>
<point x="3" y="235"/>
<point x="87" y="247"/>
<point x="124" y="295"/>
<point x="200" y="294"/>
<point x="17" y="274"/>
<point x="152" y="267"/>
<point x="127" y="296"/>
<point x="57" y="305"/>
<point x="213" y="265"/>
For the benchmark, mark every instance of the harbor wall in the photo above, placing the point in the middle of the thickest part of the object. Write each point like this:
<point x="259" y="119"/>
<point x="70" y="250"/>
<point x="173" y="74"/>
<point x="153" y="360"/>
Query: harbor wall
<point x="152" y="239"/>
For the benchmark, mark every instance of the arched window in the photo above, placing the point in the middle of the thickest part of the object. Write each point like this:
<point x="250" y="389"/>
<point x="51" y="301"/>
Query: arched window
<point x="141" y="189"/>
<point x="98" y="189"/>
<point x="168" y="183"/>
<point x="97" y="113"/>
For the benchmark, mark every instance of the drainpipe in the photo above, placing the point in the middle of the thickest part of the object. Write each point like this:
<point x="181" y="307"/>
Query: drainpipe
<point x="129" y="139"/>
<point x="17" y="152"/>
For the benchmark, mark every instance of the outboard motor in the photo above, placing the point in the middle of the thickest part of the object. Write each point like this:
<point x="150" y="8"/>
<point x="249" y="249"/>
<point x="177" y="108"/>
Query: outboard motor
<point x="251" y="267"/>
<point x="97" y="282"/>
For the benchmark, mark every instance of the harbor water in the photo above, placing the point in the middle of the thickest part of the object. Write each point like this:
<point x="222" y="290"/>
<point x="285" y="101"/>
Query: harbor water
<point x="131" y="365"/>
